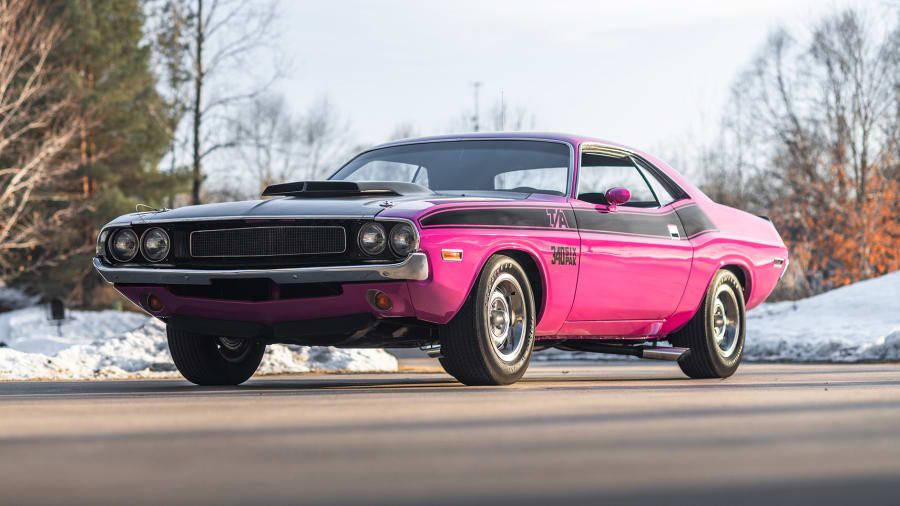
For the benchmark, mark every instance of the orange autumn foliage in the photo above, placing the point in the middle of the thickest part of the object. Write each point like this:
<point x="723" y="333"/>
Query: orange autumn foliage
<point x="840" y="236"/>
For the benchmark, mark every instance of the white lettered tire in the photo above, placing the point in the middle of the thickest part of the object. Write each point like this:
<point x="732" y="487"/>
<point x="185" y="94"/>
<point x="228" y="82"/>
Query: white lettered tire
<point x="490" y="340"/>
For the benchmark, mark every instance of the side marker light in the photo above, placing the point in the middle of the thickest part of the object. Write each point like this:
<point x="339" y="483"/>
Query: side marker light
<point x="452" y="255"/>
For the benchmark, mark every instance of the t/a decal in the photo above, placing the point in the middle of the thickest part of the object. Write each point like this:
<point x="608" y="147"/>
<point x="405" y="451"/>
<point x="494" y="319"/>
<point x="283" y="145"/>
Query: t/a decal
<point x="563" y="255"/>
<point x="557" y="218"/>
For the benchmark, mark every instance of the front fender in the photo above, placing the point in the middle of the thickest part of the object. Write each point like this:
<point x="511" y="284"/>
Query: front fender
<point x="440" y="297"/>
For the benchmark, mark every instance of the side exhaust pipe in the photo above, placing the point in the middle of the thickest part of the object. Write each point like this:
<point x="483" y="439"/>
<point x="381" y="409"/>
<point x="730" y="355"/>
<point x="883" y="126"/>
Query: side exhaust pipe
<point x="433" y="350"/>
<point x="673" y="354"/>
<point x="647" y="352"/>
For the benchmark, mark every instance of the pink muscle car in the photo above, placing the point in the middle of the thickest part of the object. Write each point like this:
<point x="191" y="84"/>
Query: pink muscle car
<point x="480" y="249"/>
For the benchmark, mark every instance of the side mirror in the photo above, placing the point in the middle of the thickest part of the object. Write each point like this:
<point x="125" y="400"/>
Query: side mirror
<point x="616" y="197"/>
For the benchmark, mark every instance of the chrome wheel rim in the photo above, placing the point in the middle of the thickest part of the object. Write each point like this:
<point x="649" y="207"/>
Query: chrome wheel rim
<point x="725" y="321"/>
<point x="233" y="350"/>
<point x="504" y="313"/>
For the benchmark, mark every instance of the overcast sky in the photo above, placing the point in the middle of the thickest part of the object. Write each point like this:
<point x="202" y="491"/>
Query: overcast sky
<point x="641" y="72"/>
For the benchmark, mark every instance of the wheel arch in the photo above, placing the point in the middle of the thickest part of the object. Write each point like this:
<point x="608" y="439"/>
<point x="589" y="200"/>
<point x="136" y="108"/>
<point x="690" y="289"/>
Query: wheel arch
<point x="535" y="275"/>
<point x="742" y="272"/>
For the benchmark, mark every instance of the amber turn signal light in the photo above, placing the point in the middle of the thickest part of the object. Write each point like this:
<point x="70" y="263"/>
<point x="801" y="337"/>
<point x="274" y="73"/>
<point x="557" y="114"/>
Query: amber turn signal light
<point x="379" y="300"/>
<point x="153" y="303"/>
<point x="452" y="255"/>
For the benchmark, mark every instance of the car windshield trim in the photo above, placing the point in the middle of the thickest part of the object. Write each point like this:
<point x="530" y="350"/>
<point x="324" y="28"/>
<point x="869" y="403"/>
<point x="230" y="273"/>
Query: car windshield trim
<point x="570" y="169"/>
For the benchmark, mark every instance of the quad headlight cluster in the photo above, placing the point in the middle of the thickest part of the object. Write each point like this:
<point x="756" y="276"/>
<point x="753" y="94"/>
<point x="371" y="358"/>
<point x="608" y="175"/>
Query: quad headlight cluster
<point x="373" y="239"/>
<point x="123" y="245"/>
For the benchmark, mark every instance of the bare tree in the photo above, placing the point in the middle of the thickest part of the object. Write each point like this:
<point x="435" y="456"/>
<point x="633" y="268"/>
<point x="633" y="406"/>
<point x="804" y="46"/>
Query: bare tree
<point x="268" y="138"/>
<point x="508" y="117"/>
<point x="35" y="129"/>
<point x="225" y="34"/>
<point x="274" y="145"/>
<point x="810" y="137"/>
<point x="502" y="116"/>
<point x="403" y="130"/>
<point x="324" y="138"/>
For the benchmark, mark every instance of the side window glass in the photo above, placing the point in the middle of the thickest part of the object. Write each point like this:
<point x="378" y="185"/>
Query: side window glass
<point x="391" y="171"/>
<point x="599" y="173"/>
<point x="550" y="180"/>
<point x="662" y="195"/>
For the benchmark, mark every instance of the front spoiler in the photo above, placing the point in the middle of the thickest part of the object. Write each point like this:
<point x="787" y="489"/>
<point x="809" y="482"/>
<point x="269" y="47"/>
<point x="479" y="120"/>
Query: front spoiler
<point x="414" y="267"/>
<point x="361" y="330"/>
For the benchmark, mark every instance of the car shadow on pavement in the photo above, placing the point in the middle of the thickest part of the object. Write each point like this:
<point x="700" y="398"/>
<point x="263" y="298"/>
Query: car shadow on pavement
<point x="294" y="384"/>
<point x="412" y="382"/>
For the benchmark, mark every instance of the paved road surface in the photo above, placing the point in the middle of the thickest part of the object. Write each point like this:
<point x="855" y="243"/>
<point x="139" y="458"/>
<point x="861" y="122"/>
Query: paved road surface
<point x="635" y="433"/>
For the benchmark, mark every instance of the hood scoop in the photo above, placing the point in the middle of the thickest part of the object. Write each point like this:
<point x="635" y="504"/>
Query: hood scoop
<point x="330" y="189"/>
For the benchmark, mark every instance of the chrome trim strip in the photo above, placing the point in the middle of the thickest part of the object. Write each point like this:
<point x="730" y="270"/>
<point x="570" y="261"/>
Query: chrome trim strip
<point x="206" y="231"/>
<point x="414" y="267"/>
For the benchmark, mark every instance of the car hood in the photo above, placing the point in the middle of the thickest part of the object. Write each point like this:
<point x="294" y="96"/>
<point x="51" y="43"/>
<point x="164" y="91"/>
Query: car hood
<point x="271" y="208"/>
<point x="292" y="207"/>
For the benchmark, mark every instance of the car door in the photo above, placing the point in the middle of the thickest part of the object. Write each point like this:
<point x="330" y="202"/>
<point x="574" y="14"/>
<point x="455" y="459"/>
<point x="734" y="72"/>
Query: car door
<point x="635" y="258"/>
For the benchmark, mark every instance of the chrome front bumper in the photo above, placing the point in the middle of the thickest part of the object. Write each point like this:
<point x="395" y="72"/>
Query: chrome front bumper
<point x="414" y="267"/>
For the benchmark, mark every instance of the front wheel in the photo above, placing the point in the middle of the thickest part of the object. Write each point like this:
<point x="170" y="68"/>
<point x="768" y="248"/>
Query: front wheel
<point x="210" y="360"/>
<point x="490" y="340"/>
<point x="715" y="335"/>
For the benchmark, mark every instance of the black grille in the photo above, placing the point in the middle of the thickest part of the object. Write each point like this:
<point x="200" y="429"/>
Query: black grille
<point x="268" y="241"/>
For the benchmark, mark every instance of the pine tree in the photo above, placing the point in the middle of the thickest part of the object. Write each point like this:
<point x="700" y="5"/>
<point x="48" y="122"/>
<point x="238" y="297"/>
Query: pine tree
<point x="122" y="122"/>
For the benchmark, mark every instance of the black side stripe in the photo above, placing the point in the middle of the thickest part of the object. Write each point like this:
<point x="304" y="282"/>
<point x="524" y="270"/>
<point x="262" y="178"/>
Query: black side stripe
<point x="534" y="217"/>
<point x="689" y="220"/>
<point x="489" y="207"/>
<point x="695" y="221"/>
<point x="652" y="225"/>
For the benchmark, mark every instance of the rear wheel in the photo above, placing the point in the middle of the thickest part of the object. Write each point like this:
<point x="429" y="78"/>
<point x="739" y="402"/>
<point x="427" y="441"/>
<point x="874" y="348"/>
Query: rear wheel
<point x="715" y="335"/>
<point x="490" y="340"/>
<point x="210" y="360"/>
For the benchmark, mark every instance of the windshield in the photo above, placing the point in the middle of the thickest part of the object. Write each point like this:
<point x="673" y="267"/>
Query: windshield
<point x="457" y="166"/>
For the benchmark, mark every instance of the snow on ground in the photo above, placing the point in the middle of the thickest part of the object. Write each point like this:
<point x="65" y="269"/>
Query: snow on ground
<point x="854" y="323"/>
<point x="859" y="322"/>
<point x="120" y="344"/>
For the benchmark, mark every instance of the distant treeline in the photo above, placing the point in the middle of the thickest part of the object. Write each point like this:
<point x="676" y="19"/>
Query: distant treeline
<point x="810" y="137"/>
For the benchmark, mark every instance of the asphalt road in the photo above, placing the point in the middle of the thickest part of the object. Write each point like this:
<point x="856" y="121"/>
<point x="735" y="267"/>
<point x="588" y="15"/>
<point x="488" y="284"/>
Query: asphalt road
<point x="633" y="433"/>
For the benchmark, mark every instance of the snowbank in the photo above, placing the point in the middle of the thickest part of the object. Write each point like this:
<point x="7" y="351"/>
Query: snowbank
<point x="118" y="344"/>
<point x="855" y="323"/>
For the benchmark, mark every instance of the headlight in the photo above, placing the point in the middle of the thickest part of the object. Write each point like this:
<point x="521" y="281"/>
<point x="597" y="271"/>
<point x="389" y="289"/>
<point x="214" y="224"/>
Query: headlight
<point x="372" y="238"/>
<point x="155" y="244"/>
<point x="124" y="245"/>
<point x="402" y="239"/>
<point x="101" y="243"/>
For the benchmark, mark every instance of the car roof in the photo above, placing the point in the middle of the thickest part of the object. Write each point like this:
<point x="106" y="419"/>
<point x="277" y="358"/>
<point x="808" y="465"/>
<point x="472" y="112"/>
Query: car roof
<point x="573" y="139"/>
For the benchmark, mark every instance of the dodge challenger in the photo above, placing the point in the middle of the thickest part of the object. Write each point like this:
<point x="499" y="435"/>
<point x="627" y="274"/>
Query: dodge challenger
<point x="480" y="249"/>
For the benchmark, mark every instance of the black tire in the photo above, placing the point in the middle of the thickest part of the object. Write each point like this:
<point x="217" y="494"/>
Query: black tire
<point x="470" y="353"/>
<point x="206" y="360"/>
<point x="716" y="348"/>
